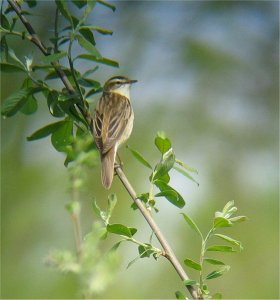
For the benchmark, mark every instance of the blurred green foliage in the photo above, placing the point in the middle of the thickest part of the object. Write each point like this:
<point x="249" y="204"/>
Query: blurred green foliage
<point x="208" y="76"/>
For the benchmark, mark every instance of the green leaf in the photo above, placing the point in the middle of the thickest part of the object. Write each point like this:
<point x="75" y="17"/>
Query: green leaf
<point x="145" y="251"/>
<point x="109" y="5"/>
<point x="162" y="142"/>
<point x="62" y="6"/>
<point x="217" y="273"/>
<point x="192" y="264"/>
<point x="63" y="136"/>
<point x="5" y="22"/>
<point x="98" y="29"/>
<point x="192" y="224"/>
<point x="228" y="206"/>
<point x="217" y="296"/>
<point x="180" y="296"/>
<point x="16" y="101"/>
<point x="102" y="214"/>
<point x="121" y="230"/>
<point x="230" y="240"/>
<point x="88" y="46"/>
<point x="13" y="56"/>
<point x="31" y="3"/>
<point x="186" y="166"/>
<point x="112" y="201"/>
<point x="87" y="34"/>
<point x="4" y="50"/>
<point x="213" y="261"/>
<point x="165" y="165"/>
<point x="188" y="282"/>
<point x="140" y="158"/>
<point x="31" y="104"/>
<point x="53" y="57"/>
<point x="87" y="82"/>
<point x="45" y="131"/>
<point x="170" y="194"/>
<point x="222" y="222"/>
<point x="186" y="174"/>
<point x="220" y="248"/>
<point x="101" y="60"/>
<point x="54" y="107"/>
<point x="132" y="262"/>
<point x="9" y="68"/>
<point x="238" y="219"/>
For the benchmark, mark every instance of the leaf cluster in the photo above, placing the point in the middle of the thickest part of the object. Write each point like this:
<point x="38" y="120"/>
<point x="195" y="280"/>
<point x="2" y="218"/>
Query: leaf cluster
<point x="221" y="219"/>
<point x="160" y="176"/>
<point x="71" y="104"/>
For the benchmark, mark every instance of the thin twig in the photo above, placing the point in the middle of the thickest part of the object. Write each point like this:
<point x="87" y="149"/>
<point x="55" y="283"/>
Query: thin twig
<point x="168" y="252"/>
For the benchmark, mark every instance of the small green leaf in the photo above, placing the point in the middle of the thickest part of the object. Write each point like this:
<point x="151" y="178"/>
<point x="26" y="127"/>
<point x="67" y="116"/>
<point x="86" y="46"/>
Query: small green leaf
<point x="62" y="6"/>
<point x="230" y="240"/>
<point x="53" y="57"/>
<point x="217" y="296"/>
<point x="238" y="219"/>
<point x="102" y="214"/>
<point x="165" y="165"/>
<point x="112" y="201"/>
<point x="188" y="282"/>
<point x="217" y="273"/>
<point x="4" y="22"/>
<point x="54" y="107"/>
<point x="87" y="34"/>
<point x="63" y="136"/>
<point x="192" y="264"/>
<point x="132" y="262"/>
<point x="31" y="3"/>
<point x="180" y="296"/>
<point x="170" y="194"/>
<point x="220" y="248"/>
<point x="192" y="224"/>
<point x="109" y="5"/>
<point x="121" y="230"/>
<point x="101" y="60"/>
<point x="186" y="174"/>
<point x="10" y="68"/>
<point x="186" y="166"/>
<point x="98" y="29"/>
<point x="116" y="246"/>
<point x="16" y="101"/>
<point x="30" y="106"/>
<point x="140" y="158"/>
<point x="88" y="46"/>
<point x="87" y="82"/>
<point x="145" y="251"/>
<point x="45" y="131"/>
<point x="228" y="206"/>
<point x="162" y="142"/>
<point x="222" y="222"/>
<point x="213" y="261"/>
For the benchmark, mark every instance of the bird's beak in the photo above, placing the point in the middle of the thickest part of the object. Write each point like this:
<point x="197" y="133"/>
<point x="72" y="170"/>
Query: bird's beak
<point x="132" y="81"/>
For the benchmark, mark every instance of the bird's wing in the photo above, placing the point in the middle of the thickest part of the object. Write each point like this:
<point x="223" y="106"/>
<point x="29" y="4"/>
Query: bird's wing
<point x="111" y="116"/>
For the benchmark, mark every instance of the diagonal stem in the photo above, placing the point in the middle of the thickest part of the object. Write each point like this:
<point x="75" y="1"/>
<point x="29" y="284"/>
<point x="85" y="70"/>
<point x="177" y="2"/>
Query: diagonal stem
<point x="169" y="254"/>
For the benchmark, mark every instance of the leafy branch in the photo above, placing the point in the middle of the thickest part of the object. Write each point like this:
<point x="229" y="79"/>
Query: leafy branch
<point x="73" y="135"/>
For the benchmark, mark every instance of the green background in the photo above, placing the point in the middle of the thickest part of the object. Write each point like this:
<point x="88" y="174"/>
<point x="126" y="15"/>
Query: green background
<point x="208" y="76"/>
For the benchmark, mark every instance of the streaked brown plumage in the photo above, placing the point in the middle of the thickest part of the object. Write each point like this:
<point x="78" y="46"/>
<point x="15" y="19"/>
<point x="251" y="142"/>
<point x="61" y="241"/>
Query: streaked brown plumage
<point x="113" y="123"/>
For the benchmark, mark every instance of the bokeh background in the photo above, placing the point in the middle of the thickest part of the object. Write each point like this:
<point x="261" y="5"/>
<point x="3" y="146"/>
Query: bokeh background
<point x="208" y="76"/>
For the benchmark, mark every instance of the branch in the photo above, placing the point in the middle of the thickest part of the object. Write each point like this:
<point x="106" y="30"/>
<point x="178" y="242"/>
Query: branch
<point x="36" y="40"/>
<point x="168" y="252"/>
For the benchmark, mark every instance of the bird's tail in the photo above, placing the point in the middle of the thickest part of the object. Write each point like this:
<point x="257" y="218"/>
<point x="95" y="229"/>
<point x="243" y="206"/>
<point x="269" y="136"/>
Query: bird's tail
<point x="107" y="169"/>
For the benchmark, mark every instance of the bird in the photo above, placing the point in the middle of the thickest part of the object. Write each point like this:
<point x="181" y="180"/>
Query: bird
<point x="112" y="123"/>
